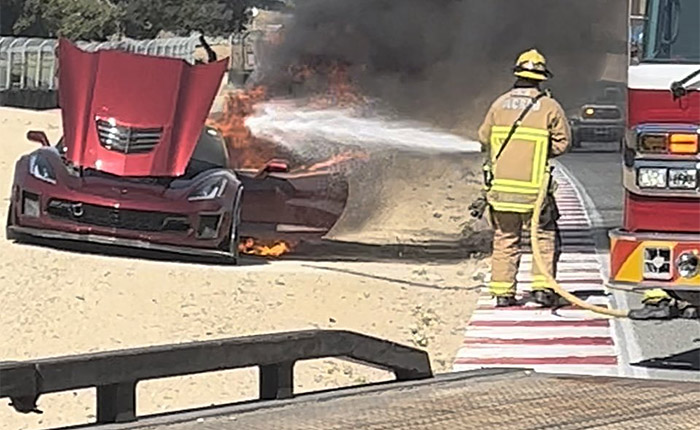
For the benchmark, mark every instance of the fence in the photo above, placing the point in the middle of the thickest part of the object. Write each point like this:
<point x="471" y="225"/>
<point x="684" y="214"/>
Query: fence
<point x="30" y="63"/>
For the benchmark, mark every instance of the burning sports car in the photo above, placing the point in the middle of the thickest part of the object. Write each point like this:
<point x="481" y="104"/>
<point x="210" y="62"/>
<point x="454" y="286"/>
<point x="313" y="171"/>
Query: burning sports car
<point x="137" y="166"/>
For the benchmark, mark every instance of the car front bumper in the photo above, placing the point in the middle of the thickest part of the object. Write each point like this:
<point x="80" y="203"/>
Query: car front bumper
<point x="650" y="260"/>
<point x="113" y="241"/>
<point x="598" y="132"/>
<point x="154" y="224"/>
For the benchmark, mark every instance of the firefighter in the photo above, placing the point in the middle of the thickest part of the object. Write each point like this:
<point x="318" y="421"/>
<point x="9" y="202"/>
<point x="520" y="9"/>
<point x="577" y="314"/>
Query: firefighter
<point x="522" y="129"/>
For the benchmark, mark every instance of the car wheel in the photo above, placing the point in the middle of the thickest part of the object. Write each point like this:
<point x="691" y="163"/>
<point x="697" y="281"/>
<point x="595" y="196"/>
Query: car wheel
<point x="9" y="235"/>
<point x="234" y="238"/>
<point x="575" y="143"/>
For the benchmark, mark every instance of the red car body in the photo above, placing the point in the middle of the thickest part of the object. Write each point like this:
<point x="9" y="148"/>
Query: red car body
<point x="137" y="166"/>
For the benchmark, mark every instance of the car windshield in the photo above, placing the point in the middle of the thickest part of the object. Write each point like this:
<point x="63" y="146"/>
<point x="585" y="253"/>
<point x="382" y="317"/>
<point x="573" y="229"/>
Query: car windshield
<point x="671" y="32"/>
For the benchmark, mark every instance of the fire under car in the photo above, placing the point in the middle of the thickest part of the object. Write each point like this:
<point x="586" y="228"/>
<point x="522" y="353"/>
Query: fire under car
<point x="138" y="167"/>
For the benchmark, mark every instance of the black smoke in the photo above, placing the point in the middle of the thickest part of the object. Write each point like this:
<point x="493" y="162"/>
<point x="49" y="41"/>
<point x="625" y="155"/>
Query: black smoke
<point x="445" y="60"/>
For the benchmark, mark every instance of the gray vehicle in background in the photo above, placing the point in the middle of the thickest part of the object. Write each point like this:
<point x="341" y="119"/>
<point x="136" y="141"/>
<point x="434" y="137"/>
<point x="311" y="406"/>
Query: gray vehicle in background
<point x="602" y="119"/>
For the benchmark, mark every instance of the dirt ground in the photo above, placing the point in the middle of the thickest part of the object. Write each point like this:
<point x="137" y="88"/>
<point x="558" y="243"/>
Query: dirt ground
<point x="59" y="301"/>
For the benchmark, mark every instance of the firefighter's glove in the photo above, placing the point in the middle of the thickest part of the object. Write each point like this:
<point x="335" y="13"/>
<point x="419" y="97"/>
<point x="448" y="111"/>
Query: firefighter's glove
<point x="550" y="212"/>
<point x="478" y="207"/>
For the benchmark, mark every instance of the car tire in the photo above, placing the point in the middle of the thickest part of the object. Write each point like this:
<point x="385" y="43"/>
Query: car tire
<point x="692" y="297"/>
<point x="9" y="234"/>
<point x="232" y="252"/>
<point x="575" y="142"/>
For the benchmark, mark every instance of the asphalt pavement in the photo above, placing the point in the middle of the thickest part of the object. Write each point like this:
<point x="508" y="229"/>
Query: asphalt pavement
<point x="599" y="174"/>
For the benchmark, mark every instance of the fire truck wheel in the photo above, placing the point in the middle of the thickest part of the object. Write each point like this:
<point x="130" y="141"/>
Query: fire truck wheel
<point x="692" y="297"/>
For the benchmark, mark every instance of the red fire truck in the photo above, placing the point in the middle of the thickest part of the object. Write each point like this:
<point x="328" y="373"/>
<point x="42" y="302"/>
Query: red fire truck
<point x="658" y="245"/>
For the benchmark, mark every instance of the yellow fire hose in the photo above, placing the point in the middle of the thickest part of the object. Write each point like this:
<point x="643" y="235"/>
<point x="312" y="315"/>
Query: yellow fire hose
<point x="537" y="258"/>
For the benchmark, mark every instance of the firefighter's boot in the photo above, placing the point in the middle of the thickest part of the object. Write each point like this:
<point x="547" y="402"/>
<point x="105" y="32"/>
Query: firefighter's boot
<point x="658" y="305"/>
<point x="505" y="301"/>
<point x="547" y="298"/>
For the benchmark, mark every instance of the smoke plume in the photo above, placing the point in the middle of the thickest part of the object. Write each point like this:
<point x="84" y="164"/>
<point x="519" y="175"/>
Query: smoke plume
<point x="444" y="61"/>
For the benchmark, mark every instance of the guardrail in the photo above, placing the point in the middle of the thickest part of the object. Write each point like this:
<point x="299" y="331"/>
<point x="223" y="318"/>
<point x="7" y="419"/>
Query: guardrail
<point x="115" y="374"/>
<point x="30" y="63"/>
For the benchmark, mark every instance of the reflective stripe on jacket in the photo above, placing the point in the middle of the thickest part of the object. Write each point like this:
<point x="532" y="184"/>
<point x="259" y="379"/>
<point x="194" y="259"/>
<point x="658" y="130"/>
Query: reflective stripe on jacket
<point x="543" y="133"/>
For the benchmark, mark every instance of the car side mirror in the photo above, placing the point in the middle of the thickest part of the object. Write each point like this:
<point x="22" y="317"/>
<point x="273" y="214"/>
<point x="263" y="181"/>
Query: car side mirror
<point x="39" y="137"/>
<point x="273" y="166"/>
<point x="276" y="166"/>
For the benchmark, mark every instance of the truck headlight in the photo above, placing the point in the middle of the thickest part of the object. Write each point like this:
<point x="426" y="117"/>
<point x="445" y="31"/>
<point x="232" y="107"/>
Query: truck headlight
<point x="209" y="190"/>
<point x="683" y="178"/>
<point x="40" y="168"/>
<point x="688" y="265"/>
<point x="652" y="143"/>
<point x="651" y="177"/>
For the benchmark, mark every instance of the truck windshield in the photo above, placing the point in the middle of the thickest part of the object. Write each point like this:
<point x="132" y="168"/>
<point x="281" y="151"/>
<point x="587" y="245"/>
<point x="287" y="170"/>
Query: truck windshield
<point x="671" y="32"/>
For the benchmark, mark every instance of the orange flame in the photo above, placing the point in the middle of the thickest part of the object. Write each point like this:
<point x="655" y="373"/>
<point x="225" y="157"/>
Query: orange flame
<point x="333" y="76"/>
<point x="249" y="246"/>
<point x="336" y="161"/>
<point x="247" y="150"/>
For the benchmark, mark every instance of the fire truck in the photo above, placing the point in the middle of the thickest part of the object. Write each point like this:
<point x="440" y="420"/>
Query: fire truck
<point x="658" y="245"/>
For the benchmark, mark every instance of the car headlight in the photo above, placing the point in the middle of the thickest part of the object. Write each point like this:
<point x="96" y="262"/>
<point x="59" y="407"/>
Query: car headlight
<point x="651" y="177"/>
<point x="683" y="178"/>
<point x="40" y="168"/>
<point x="209" y="190"/>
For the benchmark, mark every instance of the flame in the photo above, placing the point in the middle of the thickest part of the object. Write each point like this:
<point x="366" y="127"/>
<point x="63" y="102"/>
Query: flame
<point x="247" y="150"/>
<point x="336" y="161"/>
<point x="249" y="246"/>
<point x="338" y="88"/>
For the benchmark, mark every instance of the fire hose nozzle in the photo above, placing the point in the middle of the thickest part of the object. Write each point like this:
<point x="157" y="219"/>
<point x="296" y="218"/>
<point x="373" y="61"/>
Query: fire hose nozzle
<point x="478" y="207"/>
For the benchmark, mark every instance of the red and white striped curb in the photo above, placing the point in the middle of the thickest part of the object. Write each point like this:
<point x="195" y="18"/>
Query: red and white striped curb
<point x="568" y="340"/>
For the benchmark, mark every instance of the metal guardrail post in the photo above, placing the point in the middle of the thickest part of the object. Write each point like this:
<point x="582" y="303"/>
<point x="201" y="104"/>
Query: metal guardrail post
<point x="23" y="67"/>
<point x="9" y="63"/>
<point x="116" y="403"/>
<point x="277" y="381"/>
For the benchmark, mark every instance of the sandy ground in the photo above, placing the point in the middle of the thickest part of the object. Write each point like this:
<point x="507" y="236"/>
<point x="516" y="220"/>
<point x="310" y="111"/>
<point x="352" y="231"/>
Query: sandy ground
<point x="58" y="301"/>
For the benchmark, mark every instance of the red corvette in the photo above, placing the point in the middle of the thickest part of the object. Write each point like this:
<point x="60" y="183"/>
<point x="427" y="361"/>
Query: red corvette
<point x="137" y="166"/>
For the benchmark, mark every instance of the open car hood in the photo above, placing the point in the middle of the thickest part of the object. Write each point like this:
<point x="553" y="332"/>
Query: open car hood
<point x="132" y="114"/>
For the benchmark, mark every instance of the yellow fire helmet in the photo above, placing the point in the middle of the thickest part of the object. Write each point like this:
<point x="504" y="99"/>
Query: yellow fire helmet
<point x="532" y="65"/>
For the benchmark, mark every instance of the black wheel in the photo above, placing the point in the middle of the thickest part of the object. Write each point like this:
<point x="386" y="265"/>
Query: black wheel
<point x="692" y="297"/>
<point x="234" y="237"/>
<point x="575" y="142"/>
<point x="9" y="234"/>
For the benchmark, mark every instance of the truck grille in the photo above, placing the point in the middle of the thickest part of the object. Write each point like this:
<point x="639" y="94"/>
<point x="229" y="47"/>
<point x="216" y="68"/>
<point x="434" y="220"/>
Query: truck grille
<point x="127" y="140"/>
<point x="104" y="216"/>
<point x="607" y="113"/>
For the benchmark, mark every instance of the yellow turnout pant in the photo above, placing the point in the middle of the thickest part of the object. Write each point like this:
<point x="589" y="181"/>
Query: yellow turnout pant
<point x="505" y="261"/>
